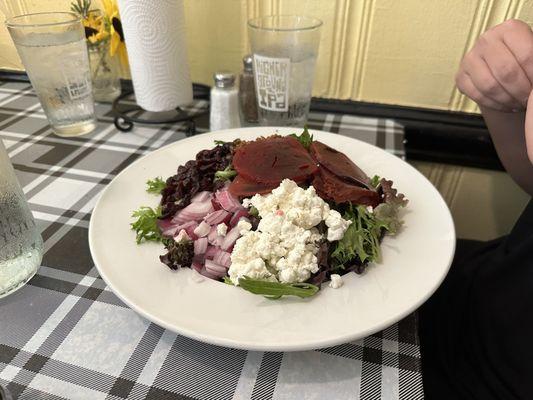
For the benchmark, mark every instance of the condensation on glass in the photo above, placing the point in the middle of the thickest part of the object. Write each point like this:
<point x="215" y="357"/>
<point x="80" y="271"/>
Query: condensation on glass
<point x="53" y="49"/>
<point x="21" y="245"/>
<point x="284" y="51"/>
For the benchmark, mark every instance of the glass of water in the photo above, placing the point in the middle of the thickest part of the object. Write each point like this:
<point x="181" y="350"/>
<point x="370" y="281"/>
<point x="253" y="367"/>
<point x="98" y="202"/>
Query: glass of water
<point x="21" y="245"/>
<point x="284" y="50"/>
<point x="53" y="49"/>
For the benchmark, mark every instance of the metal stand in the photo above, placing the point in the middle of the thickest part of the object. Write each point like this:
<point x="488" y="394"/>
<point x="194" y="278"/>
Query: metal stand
<point x="124" y="120"/>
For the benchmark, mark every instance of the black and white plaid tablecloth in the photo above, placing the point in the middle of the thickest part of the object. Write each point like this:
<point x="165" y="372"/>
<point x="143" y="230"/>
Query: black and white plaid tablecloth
<point x="65" y="335"/>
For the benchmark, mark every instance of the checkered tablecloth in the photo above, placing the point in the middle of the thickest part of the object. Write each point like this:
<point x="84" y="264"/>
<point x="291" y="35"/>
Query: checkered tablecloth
<point x="66" y="336"/>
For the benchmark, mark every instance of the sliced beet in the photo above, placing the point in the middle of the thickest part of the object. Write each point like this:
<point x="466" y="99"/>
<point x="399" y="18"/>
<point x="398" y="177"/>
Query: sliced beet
<point x="331" y="187"/>
<point x="339" y="164"/>
<point x="269" y="161"/>
<point x="240" y="187"/>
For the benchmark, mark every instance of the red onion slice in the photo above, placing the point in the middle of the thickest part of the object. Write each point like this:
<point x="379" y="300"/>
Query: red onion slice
<point x="215" y="269"/>
<point x="200" y="246"/>
<point x="197" y="266"/>
<point x="202" y="230"/>
<point x="194" y="212"/>
<point x="185" y="225"/>
<point x="230" y="239"/>
<point x="217" y="217"/>
<point x="201" y="197"/>
<point x="167" y="227"/>
<point x="190" y="230"/>
<point x="228" y="201"/>
<point x="216" y="204"/>
<point x="237" y="216"/>
<point x="211" y="251"/>
<point x="213" y="237"/>
<point x="210" y="275"/>
<point x="182" y="235"/>
<point x="223" y="258"/>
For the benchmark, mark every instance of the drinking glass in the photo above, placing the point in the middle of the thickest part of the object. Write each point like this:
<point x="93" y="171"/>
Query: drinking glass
<point x="284" y="49"/>
<point x="21" y="245"/>
<point x="4" y="394"/>
<point x="53" y="49"/>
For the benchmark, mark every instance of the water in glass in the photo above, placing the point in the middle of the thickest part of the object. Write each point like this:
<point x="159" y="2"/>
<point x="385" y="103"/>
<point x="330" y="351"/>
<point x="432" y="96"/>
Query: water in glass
<point x="21" y="245"/>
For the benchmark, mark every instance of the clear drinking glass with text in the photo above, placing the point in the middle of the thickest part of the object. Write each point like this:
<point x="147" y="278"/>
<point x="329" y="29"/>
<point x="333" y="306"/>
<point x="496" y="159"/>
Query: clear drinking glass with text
<point x="53" y="49"/>
<point x="284" y="51"/>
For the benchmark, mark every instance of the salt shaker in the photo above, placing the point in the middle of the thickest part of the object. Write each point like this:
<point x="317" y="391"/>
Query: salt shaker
<point x="247" y="94"/>
<point x="224" y="102"/>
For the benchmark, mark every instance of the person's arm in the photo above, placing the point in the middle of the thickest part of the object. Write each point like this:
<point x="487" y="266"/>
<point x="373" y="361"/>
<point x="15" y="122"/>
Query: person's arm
<point x="497" y="73"/>
<point x="507" y="133"/>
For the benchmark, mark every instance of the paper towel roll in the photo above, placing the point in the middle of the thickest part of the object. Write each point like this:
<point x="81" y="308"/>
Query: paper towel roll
<point x="155" y="38"/>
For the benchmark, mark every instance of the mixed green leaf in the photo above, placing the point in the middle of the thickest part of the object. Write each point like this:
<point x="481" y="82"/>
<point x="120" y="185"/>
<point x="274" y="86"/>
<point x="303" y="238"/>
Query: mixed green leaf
<point x="145" y="225"/>
<point x="226" y="174"/>
<point x="361" y="241"/>
<point x="156" y="185"/>
<point x="374" y="182"/>
<point x="179" y="254"/>
<point x="388" y="211"/>
<point x="304" y="138"/>
<point x="274" y="290"/>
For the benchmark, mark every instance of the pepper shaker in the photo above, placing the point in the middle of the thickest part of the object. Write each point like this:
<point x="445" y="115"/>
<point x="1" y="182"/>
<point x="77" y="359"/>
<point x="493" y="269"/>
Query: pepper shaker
<point x="247" y="93"/>
<point x="224" y="102"/>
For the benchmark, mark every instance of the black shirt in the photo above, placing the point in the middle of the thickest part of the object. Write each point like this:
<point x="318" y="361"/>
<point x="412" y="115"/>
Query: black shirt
<point x="476" y="331"/>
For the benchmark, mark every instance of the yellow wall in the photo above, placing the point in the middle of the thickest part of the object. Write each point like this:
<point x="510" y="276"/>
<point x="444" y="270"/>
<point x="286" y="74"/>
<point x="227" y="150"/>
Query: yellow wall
<point x="386" y="51"/>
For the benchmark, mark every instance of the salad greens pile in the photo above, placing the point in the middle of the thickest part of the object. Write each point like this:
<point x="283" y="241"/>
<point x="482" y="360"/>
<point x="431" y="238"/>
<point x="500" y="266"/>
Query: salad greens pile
<point x="361" y="241"/>
<point x="359" y="246"/>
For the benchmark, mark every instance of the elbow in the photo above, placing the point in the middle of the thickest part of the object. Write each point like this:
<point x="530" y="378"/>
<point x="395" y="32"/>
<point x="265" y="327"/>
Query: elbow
<point x="530" y="153"/>
<point x="528" y="129"/>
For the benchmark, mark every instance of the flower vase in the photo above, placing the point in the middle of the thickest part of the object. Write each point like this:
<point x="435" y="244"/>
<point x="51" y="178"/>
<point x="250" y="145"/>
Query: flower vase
<point x="104" y="72"/>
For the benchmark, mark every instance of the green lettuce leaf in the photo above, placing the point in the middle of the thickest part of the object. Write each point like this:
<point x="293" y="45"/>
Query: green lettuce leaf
<point x="361" y="241"/>
<point x="156" y="185"/>
<point x="145" y="226"/>
<point x="304" y="138"/>
<point x="226" y="174"/>
<point x="274" y="290"/>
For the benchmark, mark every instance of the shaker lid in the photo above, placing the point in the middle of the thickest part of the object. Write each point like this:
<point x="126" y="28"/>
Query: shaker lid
<point x="224" y="79"/>
<point x="248" y="62"/>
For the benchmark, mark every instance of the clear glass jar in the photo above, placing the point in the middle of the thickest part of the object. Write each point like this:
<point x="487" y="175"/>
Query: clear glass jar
<point x="21" y="245"/>
<point x="104" y="72"/>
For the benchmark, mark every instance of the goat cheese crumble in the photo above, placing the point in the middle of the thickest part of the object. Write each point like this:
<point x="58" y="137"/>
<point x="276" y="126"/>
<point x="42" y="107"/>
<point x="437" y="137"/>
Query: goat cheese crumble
<point x="336" y="281"/>
<point x="285" y="244"/>
<point x="222" y="229"/>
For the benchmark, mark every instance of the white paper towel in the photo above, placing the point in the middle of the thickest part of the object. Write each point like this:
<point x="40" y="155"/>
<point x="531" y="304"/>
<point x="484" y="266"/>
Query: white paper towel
<point x="155" y="38"/>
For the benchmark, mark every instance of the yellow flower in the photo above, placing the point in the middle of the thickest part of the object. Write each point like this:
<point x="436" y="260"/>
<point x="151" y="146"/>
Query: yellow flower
<point x="117" y="44"/>
<point x="94" y="27"/>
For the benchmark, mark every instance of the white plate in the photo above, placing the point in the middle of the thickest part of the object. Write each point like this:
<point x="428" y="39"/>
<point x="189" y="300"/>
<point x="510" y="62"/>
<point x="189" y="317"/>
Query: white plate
<point x="414" y="262"/>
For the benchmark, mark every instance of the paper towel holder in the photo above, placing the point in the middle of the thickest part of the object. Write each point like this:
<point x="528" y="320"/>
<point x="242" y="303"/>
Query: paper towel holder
<point x="124" y="120"/>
